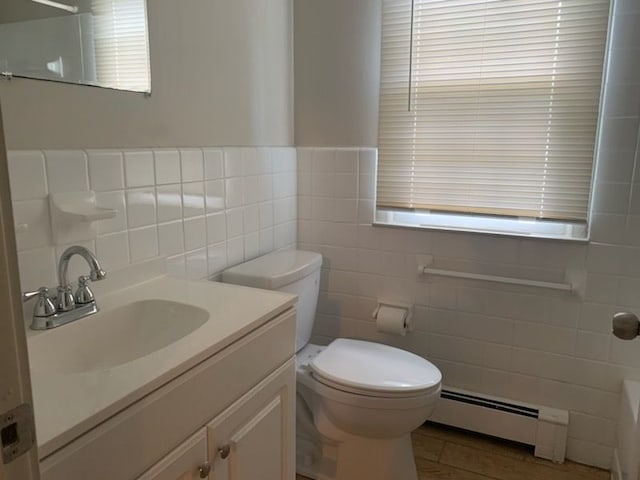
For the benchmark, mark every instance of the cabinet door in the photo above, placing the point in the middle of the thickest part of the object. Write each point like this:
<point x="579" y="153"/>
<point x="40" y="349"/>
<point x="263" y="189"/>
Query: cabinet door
<point x="183" y="463"/>
<point x="253" y="439"/>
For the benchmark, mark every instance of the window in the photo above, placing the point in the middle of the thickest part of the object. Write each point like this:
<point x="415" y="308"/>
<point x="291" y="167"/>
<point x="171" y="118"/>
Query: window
<point x="121" y="44"/>
<point x="489" y="114"/>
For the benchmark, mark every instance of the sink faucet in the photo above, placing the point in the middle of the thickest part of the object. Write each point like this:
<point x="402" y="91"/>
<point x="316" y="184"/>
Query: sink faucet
<point x="66" y="306"/>
<point x="66" y="300"/>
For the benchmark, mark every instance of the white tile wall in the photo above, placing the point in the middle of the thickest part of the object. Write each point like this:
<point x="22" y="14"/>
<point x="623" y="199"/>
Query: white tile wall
<point x="169" y="202"/>
<point x="533" y="345"/>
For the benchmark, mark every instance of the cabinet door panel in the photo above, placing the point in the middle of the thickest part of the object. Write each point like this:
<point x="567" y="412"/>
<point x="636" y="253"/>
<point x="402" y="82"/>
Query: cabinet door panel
<point x="253" y="439"/>
<point x="182" y="463"/>
<point x="257" y="448"/>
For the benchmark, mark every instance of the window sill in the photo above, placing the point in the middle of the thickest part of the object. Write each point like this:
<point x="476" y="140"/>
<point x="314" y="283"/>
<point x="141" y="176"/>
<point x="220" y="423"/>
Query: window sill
<point x="511" y="227"/>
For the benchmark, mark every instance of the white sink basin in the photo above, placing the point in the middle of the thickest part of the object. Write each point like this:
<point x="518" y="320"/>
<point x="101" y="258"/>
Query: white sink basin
<point x="109" y="339"/>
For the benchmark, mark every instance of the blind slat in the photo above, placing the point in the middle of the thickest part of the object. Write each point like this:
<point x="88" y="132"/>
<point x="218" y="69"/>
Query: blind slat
<point x="121" y="44"/>
<point x="492" y="106"/>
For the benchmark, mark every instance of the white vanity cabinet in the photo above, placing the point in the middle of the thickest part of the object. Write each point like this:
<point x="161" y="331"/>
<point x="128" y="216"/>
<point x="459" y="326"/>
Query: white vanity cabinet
<point x="184" y="463"/>
<point x="239" y="401"/>
<point x="252" y="439"/>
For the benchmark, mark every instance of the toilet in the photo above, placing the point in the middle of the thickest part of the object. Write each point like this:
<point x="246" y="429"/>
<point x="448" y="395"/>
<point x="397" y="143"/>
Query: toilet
<point x="356" y="401"/>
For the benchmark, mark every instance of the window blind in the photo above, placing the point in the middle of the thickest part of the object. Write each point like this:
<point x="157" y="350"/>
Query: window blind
<point x="121" y="44"/>
<point x="490" y="106"/>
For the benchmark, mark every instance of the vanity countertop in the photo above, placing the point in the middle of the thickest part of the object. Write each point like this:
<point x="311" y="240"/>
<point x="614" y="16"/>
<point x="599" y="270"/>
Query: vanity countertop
<point x="69" y="404"/>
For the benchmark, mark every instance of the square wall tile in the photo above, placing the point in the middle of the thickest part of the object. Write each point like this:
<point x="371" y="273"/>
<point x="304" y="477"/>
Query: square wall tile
<point x="214" y="195"/>
<point x="266" y="161"/>
<point x="266" y="215"/>
<point x="251" y="245"/>
<point x="304" y="155"/>
<point x="106" y="171"/>
<point x="250" y="190"/>
<point x="177" y="266"/>
<point x="347" y="161"/>
<point x="139" y="168"/>
<point x="143" y="243"/>
<point x="34" y="224"/>
<point x="195" y="233"/>
<point x="235" y="251"/>
<point x="167" y="164"/>
<point x="235" y="222"/>
<point x="141" y="207"/>
<point x="169" y="200"/>
<point x="284" y="159"/>
<point x="216" y="228"/>
<point x="251" y="218"/>
<point x="323" y="160"/>
<point x="193" y="199"/>
<point x="27" y="175"/>
<point x="266" y="240"/>
<point x="170" y="238"/>
<point x="213" y="164"/>
<point x="197" y="264"/>
<point x="67" y="171"/>
<point x="285" y="185"/>
<point x="192" y="164"/>
<point x="284" y="210"/>
<point x="234" y="192"/>
<point x="233" y="162"/>
<point x="113" y="250"/>
<point x="265" y="187"/>
<point x="216" y="258"/>
<point x="368" y="158"/>
<point x="38" y="268"/>
<point x="250" y="161"/>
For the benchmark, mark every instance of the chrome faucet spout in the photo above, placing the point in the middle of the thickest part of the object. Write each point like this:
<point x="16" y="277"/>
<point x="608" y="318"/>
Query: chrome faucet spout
<point x="97" y="273"/>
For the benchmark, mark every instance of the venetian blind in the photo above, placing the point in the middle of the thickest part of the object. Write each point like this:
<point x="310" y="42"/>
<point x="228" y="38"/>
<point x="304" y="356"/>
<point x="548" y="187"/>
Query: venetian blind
<point x="121" y="44"/>
<point x="490" y="106"/>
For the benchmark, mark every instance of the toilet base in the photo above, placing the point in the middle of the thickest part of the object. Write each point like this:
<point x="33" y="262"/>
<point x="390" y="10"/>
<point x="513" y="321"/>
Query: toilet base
<point x="347" y="457"/>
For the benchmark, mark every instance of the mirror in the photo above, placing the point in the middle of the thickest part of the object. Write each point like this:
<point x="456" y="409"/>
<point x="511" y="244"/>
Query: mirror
<point x="103" y="43"/>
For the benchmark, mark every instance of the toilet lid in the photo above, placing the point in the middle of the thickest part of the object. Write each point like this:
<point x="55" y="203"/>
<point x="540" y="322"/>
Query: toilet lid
<point x="372" y="368"/>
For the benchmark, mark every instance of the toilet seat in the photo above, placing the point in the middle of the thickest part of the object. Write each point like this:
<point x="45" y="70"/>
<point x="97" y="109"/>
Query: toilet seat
<point x="374" y="370"/>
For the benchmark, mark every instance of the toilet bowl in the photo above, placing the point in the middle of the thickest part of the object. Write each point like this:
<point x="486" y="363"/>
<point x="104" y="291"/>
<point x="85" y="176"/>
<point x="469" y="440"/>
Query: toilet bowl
<point x="357" y="401"/>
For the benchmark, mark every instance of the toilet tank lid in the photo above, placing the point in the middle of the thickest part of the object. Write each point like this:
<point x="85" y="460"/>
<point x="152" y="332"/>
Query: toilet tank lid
<point x="274" y="270"/>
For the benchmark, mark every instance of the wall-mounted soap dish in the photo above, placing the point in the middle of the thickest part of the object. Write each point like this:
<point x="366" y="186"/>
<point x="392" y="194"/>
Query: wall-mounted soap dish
<point x="73" y="216"/>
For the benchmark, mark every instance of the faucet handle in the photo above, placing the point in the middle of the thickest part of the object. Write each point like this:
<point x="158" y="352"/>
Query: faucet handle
<point x="44" y="306"/>
<point x="65" y="301"/>
<point x="84" y="294"/>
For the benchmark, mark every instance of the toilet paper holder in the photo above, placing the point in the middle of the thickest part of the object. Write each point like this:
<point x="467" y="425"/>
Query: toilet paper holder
<point x="406" y="306"/>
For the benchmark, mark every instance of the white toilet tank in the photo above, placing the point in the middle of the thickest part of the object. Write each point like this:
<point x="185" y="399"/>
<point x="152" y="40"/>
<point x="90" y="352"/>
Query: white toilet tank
<point x="291" y="271"/>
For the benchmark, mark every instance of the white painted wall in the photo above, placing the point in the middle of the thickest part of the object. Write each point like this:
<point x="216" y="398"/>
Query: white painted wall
<point x="337" y="72"/>
<point x="516" y="342"/>
<point x="221" y="75"/>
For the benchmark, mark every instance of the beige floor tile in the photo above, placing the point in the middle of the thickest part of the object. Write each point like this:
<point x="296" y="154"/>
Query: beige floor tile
<point x="584" y="472"/>
<point x="426" y="446"/>
<point x="499" y="466"/>
<point x="481" y="442"/>
<point x="428" y="470"/>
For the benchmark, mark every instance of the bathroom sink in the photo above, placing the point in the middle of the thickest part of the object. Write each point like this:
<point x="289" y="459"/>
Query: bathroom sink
<point x="114" y="337"/>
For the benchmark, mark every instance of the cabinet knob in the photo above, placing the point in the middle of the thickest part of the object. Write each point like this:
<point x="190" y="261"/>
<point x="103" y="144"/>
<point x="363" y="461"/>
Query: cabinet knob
<point x="224" y="451"/>
<point x="204" y="470"/>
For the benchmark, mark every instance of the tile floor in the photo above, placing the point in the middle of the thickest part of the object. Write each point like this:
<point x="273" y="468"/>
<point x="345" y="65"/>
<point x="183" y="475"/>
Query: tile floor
<point x="445" y="453"/>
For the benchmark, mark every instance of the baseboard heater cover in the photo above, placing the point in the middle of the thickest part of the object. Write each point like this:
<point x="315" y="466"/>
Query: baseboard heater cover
<point x="543" y="427"/>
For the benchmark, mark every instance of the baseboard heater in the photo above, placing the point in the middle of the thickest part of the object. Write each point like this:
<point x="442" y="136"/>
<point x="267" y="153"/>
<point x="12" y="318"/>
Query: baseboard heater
<point x="542" y="427"/>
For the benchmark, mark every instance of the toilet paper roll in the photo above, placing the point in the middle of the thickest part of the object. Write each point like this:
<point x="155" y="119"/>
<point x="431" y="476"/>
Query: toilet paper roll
<point x="392" y="320"/>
